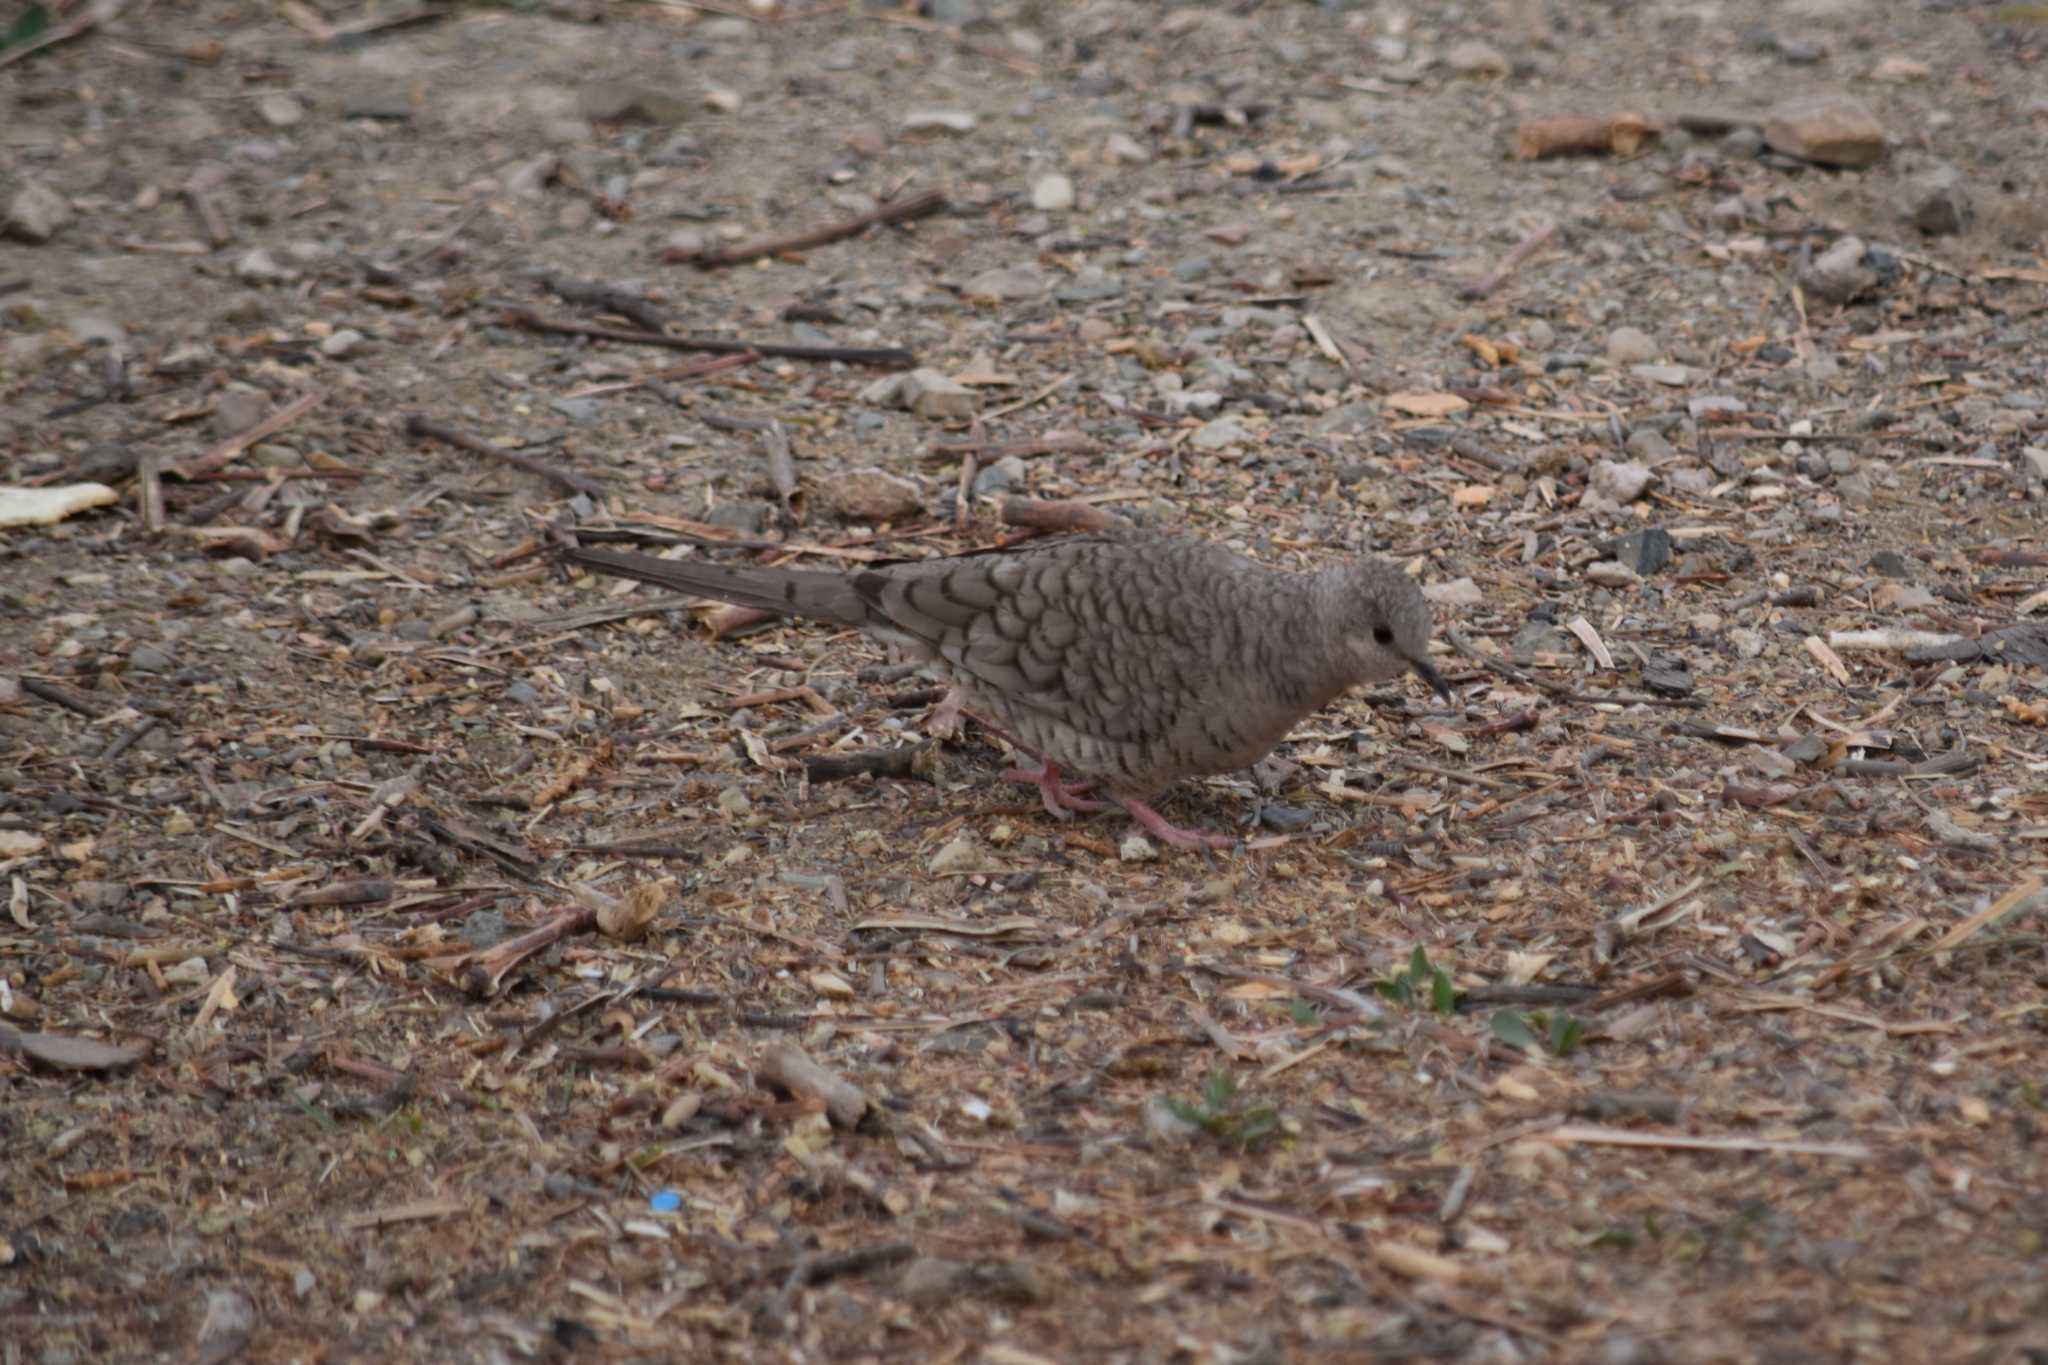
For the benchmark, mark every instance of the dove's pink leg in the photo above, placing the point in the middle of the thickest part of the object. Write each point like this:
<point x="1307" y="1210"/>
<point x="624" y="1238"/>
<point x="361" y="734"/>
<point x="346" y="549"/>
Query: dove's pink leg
<point x="942" y="722"/>
<point x="1173" y="835"/>
<point x="1062" y="799"/>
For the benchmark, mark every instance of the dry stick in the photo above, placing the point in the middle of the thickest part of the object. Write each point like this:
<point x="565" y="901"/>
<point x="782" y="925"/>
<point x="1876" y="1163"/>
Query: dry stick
<point x="355" y="30"/>
<point x="417" y="425"/>
<point x="234" y="445"/>
<point x="1027" y="400"/>
<point x="912" y="762"/>
<point x="481" y="973"/>
<point x="695" y="369"/>
<point x="963" y="493"/>
<point x="781" y="465"/>
<point x="150" y="492"/>
<point x="126" y="738"/>
<point x="790" y="1068"/>
<point x="266" y="475"/>
<point x="1572" y="134"/>
<point x="1061" y="443"/>
<point x="218" y="233"/>
<point x="1524" y="249"/>
<point x="889" y="357"/>
<point x="62" y="696"/>
<point x="1059" y="515"/>
<point x="606" y="299"/>
<point x="902" y="211"/>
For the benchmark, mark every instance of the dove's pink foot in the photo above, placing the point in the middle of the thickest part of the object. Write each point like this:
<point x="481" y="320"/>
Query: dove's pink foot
<point x="942" y="722"/>
<point x="1061" y="799"/>
<point x="1173" y="835"/>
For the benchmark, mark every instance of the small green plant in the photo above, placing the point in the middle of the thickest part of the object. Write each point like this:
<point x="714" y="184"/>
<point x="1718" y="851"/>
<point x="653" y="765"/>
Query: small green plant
<point x="1618" y="1236"/>
<point x="1560" y="1032"/>
<point x="30" y="26"/>
<point x="1217" y="1113"/>
<point x="1408" y="987"/>
<point x="1303" y="1012"/>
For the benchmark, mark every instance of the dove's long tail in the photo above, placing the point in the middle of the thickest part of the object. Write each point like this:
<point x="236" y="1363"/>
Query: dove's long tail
<point x="793" y="592"/>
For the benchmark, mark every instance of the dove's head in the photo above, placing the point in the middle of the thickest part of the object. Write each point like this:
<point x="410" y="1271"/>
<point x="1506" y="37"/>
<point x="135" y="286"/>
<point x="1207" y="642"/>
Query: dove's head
<point x="1385" y="624"/>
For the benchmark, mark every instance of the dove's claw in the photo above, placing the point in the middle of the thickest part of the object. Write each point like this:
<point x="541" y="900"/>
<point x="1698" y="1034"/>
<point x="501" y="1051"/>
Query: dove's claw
<point x="1173" y="835"/>
<point x="1061" y="799"/>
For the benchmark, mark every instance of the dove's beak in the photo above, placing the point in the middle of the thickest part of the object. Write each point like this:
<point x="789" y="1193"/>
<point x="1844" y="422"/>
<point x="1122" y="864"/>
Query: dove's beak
<point x="1428" y="673"/>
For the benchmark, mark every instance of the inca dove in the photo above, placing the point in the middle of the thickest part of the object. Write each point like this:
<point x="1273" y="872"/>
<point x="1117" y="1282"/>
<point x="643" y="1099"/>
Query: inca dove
<point x="1130" y="658"/>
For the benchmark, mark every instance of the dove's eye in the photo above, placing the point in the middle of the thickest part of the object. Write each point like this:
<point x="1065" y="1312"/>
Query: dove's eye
<point x="1383" y="635"/>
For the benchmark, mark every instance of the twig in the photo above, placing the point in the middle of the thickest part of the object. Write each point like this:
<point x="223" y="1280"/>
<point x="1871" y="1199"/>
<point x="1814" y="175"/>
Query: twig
<point x="1629" y="1137"/>
<point x="352" y="34"/>
<point x="62" y="696"/>
<point x="1037" y="396"/>
<point x="781" y="466"/>
<point x="888" y="357"/>
<point x="606" y="299"/>
<point x="963" y="492"/>
<point x="902" y="211"/>
<point x="1059" y="515"/>
<point x="695" y="369"/>
<point x="911" y="761"/>
<point x="1052" y="443"/>
<point x="234" y="445"/>
<point x="482" y="973"/>
<point x="1566" y="134"/>
<point x="820" y="1268"/>
<point x="150" y="492"/>
<point x="788" y="1067"/>
<point x="126" y="738"/>
<point x="1616" y="698"/>
<point x="1524" y="249"/>
<point x="211" y="222"/>
<point x="417" y="425"/>
<point x="1940" y="765"/>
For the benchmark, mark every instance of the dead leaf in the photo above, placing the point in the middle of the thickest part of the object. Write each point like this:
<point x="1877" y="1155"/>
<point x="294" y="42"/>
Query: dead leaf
<point x="68" y="1053"/>
<point x="1417" y="404"/>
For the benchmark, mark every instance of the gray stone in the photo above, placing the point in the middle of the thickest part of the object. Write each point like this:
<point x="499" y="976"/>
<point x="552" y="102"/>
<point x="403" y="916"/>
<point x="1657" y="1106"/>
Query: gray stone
<point x="1645" y="551"/>
<point x="1538" y="637"/>
<point x="1005" y="284"/>
<point x="1671" y="376"/>
<point x="999" y="477"/>
<point x="1631" y="346"/>
<point x="1935" y="200"/>
<point x="35" y="213"/>
<point x="1807" y="749"/>
<point x="280" y="109"/>
<point x="1218" y="435"/>
<point x="870" y="494"/>
<point x="1052" y="194"/>
<point x="484" y="929"/>
<point x="1831" y="130"/>
<point x="936" y="397"/>
<point x="940" y="121"/>
<point x="148" y="658"/>
<point x="258" y="266"/>
<point x="1618" y="481"/>
<point x="581" y="411"/>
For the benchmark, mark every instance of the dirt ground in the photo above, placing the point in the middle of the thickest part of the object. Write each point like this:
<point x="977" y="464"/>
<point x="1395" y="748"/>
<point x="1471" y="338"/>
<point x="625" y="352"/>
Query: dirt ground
<point x="415" y="951"/>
